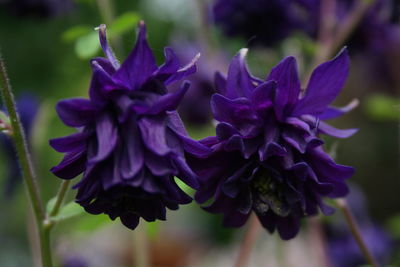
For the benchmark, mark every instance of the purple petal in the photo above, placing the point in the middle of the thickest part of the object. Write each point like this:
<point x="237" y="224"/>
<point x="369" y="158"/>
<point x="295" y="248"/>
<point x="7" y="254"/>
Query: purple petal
<point x="325" y="84"/>
<point x="288" y="83"/>
<point x="71" y="142"/>
<point x="132" y="157"/>
<point x="107" y="136"/>
<point x="184" y="71"/>
<point x="130" y="220"/>
<point x="239" y="82"/>
<point x="170" y="66"/>
<point x="71" y="166"/>
<point x="262" y="95"/>
<point x="140" y="64"/>
<point x="153" y="130"/>
<point x="333" y="112"/>
<point x="106" y="48"/>
<point x="332" y="131"/>
<point x="76" y="112"/>
<point x="169" y="101"/>
<point x="235" y="111"/>
<point x="288" y="227"/>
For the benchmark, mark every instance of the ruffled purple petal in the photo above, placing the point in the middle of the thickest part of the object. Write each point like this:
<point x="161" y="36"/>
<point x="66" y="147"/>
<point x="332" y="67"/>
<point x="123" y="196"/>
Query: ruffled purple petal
<point x="76" y="112"/>
<point x="324" y="86"/>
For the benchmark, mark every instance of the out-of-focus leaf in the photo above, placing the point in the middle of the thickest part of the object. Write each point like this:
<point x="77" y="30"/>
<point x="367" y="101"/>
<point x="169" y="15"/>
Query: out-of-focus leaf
<point x="67" y="211"/>
<point x="382" y="107"/>
<point x="393" y="226"/>
<point x="91" y="223"/>
<point x="123" y="23"/>
<point x="88" y="45"/>
<point x="75" y="32"/>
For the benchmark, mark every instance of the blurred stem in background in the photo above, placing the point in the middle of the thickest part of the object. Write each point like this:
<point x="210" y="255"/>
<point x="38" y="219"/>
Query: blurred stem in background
<point x="355" y="230"/>
<point x="25" y="162"/>
<point x="141" y="247"/>
<point x="332" y="37"/>
<point x="249" y="239"/>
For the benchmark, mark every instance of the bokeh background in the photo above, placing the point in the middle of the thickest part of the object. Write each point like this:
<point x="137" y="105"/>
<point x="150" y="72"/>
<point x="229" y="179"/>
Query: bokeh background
<point x="47" y="45"/>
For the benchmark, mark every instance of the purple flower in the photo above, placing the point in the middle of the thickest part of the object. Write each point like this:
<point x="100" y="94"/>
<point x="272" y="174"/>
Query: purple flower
<point x="28" y="106"/>
<point x="266" y="155"/>
<point x="130" y="141"/>
<point x="267" y="21"/>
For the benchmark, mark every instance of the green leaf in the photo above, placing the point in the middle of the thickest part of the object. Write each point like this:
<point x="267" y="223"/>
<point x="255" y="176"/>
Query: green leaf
<point x="184" y="187"/>
<point x="75" y="32"/>
<point x="67" y="211"/>
<point x="50" y="205"/>
<point x="123" y="23"/>
<point x="88" y="45"/>
<point x="383" y="107"/>
<point x="394" y="226"/>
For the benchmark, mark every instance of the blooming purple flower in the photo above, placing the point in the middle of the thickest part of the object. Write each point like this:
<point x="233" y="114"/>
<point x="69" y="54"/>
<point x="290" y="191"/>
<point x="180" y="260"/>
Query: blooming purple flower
<point x="28" y="106"/>
<point x="130" y="141"/>
<point x="266" y="155"/>
<point x="267" y="21"/>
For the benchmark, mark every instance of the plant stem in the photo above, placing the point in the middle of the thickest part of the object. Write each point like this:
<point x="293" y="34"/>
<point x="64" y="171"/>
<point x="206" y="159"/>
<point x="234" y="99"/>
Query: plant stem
<point x="248" y="241"/>
<point x="60" y="197"/>
<point x="141" y="247"/>
<point x="355" y="230"/>
<point x="329" y="45"/>
<point x="21" y="147"/>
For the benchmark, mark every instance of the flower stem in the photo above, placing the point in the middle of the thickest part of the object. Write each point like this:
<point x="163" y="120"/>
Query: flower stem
<point x="355" y="230"/>
<point x="248" y="241"/>
<point x="21" y="147"/>
<point x="141" y="247"/>
<point x="60" y="197"/>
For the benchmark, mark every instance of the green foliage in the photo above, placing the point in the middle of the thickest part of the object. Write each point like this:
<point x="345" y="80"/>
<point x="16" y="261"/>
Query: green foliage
<point x="67" y="211"/>
<point x="86" y="40"/>
<point x="87" y="45"/>
<point x="124" y="23"/>
<point x="382" y="107"/>
<point x="394" y="226"/>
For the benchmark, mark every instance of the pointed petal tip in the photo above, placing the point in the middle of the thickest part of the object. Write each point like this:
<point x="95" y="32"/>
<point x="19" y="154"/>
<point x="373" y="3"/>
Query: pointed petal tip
<point x="243" y="52"/>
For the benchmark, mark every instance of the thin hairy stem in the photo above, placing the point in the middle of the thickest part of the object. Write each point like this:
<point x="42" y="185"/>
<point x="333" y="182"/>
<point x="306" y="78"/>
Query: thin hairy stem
<point x="25" y="162"/>
<point x="60" y="197"/>
<point x="355" y="230"/>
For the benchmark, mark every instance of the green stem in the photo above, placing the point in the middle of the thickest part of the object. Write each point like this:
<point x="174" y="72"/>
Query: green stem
<point x="21" y="147"/>
<point x="60" y="197"/>
<point x="141" y="247"/>
<point x="355" y="230"/>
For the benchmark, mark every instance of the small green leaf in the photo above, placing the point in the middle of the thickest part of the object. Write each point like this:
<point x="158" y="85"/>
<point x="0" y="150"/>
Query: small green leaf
<point x="67" y="211"/>
<point x="123" y="23"/>
<point x="184" y="187"/>
<point x="50" y="205"/>
<point x="394" y="226"/>
<point x="383" y="107"/>
<point x="75" y="32"/>
<point x="88" y="45"/>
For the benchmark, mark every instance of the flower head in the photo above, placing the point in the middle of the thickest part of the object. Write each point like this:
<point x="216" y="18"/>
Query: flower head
<point x="270" y="158"/>
<point x="130" y="141"/>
